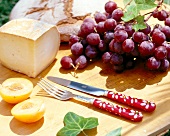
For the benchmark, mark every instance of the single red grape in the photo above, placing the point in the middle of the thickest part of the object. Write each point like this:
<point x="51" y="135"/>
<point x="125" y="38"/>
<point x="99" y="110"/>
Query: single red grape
<point x="153" y="64"/>
<point x="66" y="62"/>
<point x="128" y="45"/>
<point x="116" y="47"/>
<point x="138" y="37"/>
<point x="110" y="24"/>
<point x="167" y="21"/>
<point x="106" y="57"/>
<point x="158" y="38"/>
<point x="77" y="49"/>
<point x="100" y="28"/>
<point x="162" y="15"/>
<point x="73" y="39"/>
<point x="99" y="17"/>
<point x="81" y="61"/>
<point x="91" y="52"/>
<point x="120" y="35"/>
<point x="110" y="6"/>
<point x="86" y="28"/>
<point x="164" y="65"/>
<point x="166" y="31"/>
<point x="117" y="14"/>
<point x="93" y="39"/>
<point x="146" y="48"/>
<point x="160" y="52"/>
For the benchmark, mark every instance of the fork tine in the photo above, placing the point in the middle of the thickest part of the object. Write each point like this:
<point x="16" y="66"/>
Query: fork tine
<point x="55" y="92"/>
<point x="48" y="90"/>
<point x="60" y="91"/>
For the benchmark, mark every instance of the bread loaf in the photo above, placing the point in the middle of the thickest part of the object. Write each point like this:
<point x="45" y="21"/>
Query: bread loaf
<point x="67" y="15"/>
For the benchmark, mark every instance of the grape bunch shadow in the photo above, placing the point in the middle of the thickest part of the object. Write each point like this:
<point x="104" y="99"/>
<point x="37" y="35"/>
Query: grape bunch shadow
<point x="136" y="78"/>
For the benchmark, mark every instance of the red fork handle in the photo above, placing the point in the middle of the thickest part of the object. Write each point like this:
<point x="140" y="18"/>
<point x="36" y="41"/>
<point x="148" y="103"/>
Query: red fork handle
<point x="134" y="102"/>
<point x="118" y="110"/>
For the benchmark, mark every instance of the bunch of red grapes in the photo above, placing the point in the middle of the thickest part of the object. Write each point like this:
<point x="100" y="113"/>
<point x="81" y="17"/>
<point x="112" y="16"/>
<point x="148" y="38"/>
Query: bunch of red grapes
<point x="118" y="44"/>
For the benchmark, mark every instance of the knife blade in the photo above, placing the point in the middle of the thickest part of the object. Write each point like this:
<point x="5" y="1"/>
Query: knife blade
<point x="118" y="97"/>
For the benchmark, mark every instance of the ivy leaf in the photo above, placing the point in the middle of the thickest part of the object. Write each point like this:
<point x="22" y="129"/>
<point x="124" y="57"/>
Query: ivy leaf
<point x="167" y="2"/>
<point x="140" y="23"/>
<point x="74" y="124"/>
<point x="71" y="117"/>
<point x="116" y="132"/>
<point x="132" y="12"/>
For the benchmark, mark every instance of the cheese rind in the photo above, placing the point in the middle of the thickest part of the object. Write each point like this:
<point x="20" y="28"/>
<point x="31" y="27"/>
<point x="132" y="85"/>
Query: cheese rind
<point x="28" y="46"/>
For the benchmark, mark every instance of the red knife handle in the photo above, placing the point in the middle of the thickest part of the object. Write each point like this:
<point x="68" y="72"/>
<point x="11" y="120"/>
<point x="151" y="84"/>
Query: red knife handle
<point x="118" y="110"/>
<point x="134" y="102"/>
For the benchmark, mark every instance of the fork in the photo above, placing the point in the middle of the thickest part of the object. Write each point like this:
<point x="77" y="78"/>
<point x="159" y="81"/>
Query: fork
<point x="63" y="95"/>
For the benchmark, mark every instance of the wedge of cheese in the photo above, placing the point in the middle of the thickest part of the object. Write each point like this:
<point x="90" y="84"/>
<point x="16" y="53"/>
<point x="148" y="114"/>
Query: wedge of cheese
<point x="28" y="46"/>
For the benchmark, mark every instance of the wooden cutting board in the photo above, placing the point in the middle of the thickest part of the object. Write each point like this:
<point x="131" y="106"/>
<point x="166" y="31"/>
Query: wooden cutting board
<point x="138" y="82"/>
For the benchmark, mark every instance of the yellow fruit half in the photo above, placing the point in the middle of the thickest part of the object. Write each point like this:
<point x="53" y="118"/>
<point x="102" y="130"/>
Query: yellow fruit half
<point x="29" y="111"/>
<point x="15" y="90"/>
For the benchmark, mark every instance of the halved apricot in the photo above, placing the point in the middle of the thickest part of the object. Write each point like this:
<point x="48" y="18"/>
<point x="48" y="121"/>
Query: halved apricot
<point x="15" y="90"/>
<point x="29" y="111"/>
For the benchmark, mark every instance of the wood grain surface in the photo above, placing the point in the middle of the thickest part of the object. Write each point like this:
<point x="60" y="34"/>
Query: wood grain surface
<point x="137" y="82"/>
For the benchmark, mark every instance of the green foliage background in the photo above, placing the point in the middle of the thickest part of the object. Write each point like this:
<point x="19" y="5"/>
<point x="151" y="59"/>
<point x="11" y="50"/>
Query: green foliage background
<point x="5" y="9"/>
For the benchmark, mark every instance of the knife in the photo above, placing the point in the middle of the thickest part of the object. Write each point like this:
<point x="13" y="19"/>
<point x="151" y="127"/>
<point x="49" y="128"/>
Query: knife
<point x="118" y="97"/>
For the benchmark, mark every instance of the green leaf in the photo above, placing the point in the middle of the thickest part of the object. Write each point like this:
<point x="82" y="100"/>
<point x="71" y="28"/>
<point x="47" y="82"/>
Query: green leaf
<point x="140" y="23"/>
<point x="116" y="132"/>
<point x="145" y="4"/>
<point x="69" y="130"/>
<point x="132" y="12"/>
<point x="72" y="118"/>
<point x="167" y="2"/>
<point x="74" y="124"/>
<point x="89" y="123"/>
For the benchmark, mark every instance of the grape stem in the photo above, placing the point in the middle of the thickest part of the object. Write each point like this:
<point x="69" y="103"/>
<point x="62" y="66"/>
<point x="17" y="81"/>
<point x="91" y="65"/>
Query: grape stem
<point x="127" y="4"/>
<point x="165" y="6"/>
<point x="148" y="13"/>
<point x="75" y="68"/>
<point x="151" y="13"/>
